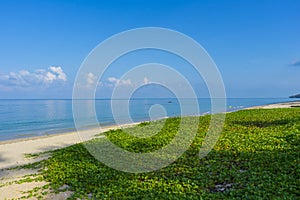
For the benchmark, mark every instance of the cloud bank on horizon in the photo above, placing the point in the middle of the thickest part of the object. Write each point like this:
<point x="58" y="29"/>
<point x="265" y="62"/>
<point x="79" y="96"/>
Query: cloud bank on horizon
<point x="55" y="77"/>
<point x="110" y="82"/>
<point x="37" y="78"/>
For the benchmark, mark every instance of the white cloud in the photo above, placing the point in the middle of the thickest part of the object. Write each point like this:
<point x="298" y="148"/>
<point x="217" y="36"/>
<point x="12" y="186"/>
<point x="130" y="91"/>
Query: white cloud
<point x="89" y="82"/>
<point x="25" y="78"/>
<point x="59" y="73"/>
<point x="115" y="81"/>
<point x="126" y="82"/>
<point x="49" y="77"/>
<point x="91" y="79"/>
<point x="146" y="80"/>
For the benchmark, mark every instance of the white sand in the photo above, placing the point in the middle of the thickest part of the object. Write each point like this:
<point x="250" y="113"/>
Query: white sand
<point x="278" y="105"/>
<point x="12" y="152"/>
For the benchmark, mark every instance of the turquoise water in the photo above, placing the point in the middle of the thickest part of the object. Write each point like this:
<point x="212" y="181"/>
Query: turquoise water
<point x="27" y="118"/>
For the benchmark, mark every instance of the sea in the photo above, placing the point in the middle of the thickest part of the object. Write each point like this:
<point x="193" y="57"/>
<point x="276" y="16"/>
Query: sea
<point x="26" y="118"/>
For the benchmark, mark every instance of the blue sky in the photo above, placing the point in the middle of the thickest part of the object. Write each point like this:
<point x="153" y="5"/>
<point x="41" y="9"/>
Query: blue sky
<point x="255" y="44"/>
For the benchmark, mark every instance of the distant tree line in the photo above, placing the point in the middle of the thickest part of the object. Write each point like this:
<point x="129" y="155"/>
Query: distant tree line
<point x="295" y="96"/>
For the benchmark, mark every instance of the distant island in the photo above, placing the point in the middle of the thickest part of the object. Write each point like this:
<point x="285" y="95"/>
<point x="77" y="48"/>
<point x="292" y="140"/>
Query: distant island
<point x="295" y="96"/>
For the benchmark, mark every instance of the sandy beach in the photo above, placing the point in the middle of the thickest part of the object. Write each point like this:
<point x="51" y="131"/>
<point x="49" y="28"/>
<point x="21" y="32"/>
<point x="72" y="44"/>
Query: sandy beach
<point x="12" y="154"/>
<point x="290" y="104"/>
<point x="12" y="151"/>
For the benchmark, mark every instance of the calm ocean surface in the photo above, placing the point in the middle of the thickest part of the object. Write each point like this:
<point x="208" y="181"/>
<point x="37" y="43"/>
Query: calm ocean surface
<point x="27" y="118"/>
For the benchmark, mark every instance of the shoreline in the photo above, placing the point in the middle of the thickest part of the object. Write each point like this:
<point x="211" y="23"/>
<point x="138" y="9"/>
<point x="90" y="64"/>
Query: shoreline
<point x="12" y="151"/>
<point x="59" y="133"/>
<point x="286" y="104"/>
<point x="15" y="136"/>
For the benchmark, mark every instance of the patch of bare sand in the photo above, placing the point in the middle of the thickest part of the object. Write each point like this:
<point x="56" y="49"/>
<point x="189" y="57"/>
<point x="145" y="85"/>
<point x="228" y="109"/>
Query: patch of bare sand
<point x="19" y="183"/>
<point x="12" y="152"/>
<point x="291" y="104"/>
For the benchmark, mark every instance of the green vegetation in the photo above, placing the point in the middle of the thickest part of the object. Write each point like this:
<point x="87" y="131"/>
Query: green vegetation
<point x="256" y="157"/>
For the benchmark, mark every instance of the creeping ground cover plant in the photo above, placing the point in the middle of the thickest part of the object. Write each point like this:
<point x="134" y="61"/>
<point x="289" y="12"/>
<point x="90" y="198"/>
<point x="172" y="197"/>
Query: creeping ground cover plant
<point x="256" y="157"/>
